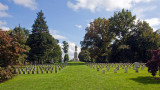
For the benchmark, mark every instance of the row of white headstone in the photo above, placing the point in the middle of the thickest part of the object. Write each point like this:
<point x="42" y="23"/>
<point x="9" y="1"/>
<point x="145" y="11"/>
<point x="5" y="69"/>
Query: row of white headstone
<point x="32" y="69"/>
<point x="124" y="66"/>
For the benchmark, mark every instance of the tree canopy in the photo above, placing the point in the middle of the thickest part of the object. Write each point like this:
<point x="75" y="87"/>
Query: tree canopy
<point x="120" y="39"/>
<point x="84" y="56"/>
<point x="42" y="44"/>
<point x="10" y="50"/>
<point x="98" y="39"/>
<point x="65" y="47"/>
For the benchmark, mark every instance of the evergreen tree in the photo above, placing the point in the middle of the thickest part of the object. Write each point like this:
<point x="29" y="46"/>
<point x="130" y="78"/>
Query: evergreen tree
<point x="65" y="49"/>
<point x="66" y="57"/>
<point x="40" y="41"/>
<point x="40" y="25"/>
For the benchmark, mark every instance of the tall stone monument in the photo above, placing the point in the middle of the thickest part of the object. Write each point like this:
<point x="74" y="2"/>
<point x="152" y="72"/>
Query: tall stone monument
<point x="75" y="55"/>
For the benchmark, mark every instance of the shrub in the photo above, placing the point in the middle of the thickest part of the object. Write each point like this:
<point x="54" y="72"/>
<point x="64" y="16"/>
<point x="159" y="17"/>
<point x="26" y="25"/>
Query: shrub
<point x="7" y="73"/>
<point x="154" y="64"/>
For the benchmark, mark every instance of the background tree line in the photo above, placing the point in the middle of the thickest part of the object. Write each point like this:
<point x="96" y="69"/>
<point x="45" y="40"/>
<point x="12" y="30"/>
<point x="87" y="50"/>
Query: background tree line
<point x="19" y="46"/>
<point x="120" y="38"/>
<point x="38" y="46"/>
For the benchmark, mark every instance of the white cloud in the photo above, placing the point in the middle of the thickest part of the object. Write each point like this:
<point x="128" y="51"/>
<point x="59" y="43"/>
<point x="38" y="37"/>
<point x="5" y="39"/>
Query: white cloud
<point x="27" y="3"/>
<point x="139" y="11"/>
<point x="137" y="1"/>
<point x="3" y="26"/>
<point x="55" y="34"/>
<point x="71" y="49"/>
<point x="88" y="25"/>
<point x="153" y="22"/>
<point x="108" y="5"/>
<point x="79" y="26"/>
<point x="2" y="23"/>
<point x="3" y="9"/>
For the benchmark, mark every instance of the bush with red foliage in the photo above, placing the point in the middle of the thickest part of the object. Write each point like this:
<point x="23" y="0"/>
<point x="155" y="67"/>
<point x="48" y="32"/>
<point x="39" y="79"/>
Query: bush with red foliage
<point x="9" y="50"/>
<point x="6" y="73"/>
<point x="154" y="64"/>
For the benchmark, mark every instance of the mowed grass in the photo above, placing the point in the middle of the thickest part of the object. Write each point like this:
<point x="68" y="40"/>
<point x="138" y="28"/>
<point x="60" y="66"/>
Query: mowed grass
<point x="77" y="76"/>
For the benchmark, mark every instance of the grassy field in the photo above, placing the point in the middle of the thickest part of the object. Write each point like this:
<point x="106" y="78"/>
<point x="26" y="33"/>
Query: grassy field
<point x="77" y="76"/>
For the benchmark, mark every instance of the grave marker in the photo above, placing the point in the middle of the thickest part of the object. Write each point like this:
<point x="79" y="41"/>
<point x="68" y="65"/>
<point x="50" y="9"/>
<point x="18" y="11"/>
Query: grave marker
<point x="103" y="71"/>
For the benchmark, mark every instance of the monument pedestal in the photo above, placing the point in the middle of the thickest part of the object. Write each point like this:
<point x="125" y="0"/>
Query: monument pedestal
<point x="75" y="55"/>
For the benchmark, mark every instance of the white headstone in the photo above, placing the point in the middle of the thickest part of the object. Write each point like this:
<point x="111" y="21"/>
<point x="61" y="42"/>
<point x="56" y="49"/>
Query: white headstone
<point x="103" y="71"/>
<point x="115" y="70"/>
<point x="126" y="70"/>
<point x="137" y="65"/>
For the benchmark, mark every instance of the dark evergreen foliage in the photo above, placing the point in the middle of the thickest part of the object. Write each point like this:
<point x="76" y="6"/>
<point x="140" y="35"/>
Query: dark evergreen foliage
<point x="66" y="57"/>
<point x="42" y="44"/>
<point x="40" y="25"/>
<point x="65" y="47"/>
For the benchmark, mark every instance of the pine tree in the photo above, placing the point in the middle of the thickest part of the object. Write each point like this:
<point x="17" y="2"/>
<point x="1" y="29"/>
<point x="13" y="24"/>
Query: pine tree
<point x="40" y="24"/>
<point x="40" y="41"/>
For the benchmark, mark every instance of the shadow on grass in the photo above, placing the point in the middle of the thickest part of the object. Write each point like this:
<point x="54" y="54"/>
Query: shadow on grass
<point x="146" y="80"/>
<point x="70" y="64"/>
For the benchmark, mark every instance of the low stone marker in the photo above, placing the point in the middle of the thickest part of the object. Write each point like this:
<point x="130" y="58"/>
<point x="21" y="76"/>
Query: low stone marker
<point x="136" y="70"/>
<point x="108" y="68"/>
<point x="103" y="71"/>
<point x="93" y="67"/>
<point x="136" y="64"/>
<point x="32" y="72"/>
<point x="126" y="70"/>
<point x="97" y="69"/>
<point x="37" y="71"/>
<point x="115" y="70"/>
<point x="55" y="69"/>
<point x="19" y="72"/>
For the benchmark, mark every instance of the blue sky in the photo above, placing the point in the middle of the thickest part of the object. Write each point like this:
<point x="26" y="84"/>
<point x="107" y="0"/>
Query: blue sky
<point x="67" y="19"/>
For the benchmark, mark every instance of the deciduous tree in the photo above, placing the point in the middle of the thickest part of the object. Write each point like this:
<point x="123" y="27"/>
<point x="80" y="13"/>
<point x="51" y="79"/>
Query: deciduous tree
<point x="98" y="39"/>
<point x="10" y="50"/>
<point x="84" y="56"/>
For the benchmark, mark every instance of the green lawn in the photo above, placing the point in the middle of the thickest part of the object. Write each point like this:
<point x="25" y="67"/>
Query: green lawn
<point x="77" y="76"/>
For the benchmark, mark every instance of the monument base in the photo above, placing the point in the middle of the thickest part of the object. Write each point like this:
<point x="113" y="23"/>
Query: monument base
<point x="75" y="59"/>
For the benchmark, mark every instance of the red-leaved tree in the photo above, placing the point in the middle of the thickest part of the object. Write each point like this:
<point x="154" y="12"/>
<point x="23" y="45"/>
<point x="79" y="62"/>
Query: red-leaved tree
<point x="154" y="64"/>
<point x="9" y="50"/>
